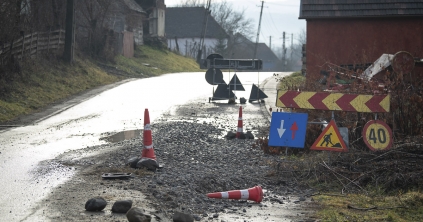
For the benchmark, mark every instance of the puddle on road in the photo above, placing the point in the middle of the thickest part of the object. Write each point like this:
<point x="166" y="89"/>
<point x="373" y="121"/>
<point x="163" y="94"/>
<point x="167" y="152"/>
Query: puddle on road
<point x="272" y="208"/>
<point x="121" y="136"/>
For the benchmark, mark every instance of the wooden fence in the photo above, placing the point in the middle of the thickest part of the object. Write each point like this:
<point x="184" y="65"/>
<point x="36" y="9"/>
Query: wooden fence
<point x="32" y="44"/>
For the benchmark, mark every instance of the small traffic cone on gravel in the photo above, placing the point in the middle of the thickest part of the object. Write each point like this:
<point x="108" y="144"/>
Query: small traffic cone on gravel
<point x="255" y="194"/>
<point x="239" y="128"/>
<point x="148" y="158"/>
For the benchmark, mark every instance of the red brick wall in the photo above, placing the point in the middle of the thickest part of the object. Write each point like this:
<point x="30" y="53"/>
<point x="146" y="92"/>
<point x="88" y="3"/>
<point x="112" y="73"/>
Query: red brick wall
<point x="354" y="41"/>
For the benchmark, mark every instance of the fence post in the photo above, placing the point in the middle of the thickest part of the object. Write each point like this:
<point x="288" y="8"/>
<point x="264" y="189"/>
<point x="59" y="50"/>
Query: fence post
<point x="30" y="44"/>
<point x="11" y="48"/>
<point x="38" y="39"/>
<point x="2" y="50"/>
<point x="23" y="45"/>
<point x="58" y="42"/>
<point x="48" y="44"/>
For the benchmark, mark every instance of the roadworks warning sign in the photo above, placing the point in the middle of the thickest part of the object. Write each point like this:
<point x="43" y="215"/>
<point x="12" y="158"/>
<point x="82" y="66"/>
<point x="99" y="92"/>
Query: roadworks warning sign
<point x="330" y="139"/>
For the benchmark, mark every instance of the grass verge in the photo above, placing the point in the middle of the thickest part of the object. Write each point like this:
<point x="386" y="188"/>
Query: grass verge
<point x="294" y="80"/>
<point x="375" y="186"/>
<point x="373" y="207"/>
<point x="45" y="80"/>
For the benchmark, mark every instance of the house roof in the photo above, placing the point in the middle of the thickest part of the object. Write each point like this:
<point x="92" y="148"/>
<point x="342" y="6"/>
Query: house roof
<point x="359" y="8"/>
<point x="187" y="22"/>
<point x="245" y="50"/>
<point x="133" y="6"/>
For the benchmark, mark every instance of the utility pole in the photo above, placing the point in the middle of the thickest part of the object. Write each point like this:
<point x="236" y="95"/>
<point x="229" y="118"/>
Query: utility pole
<point x="69" y="32"/>
<point x="258" y="31"/>
<point x="283" y="51"/>
<point x="203" y="31"/>
<point x="292" y="44"/>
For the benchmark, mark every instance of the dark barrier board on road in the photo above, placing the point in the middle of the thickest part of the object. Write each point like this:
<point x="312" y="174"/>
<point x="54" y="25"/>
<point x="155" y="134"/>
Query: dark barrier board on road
<point x="256" y="94"/>
<point x="235" y="84"/>
<point x="237" y="64"/>
<point x="222" y="93"/>
<point x="214" y="76"/>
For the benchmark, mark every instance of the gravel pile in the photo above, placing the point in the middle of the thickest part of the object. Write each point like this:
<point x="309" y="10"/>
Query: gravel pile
<point x="189" y="141"/>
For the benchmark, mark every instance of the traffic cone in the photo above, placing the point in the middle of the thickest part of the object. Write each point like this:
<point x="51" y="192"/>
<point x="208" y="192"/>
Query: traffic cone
<point x="147" y="151"/>
<point x="239" y="129"/>
<point x="255" y="194"/>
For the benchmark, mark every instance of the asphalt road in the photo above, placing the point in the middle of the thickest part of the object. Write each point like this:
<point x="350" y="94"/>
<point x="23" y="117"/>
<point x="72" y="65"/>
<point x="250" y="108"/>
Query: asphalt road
<point x="80" y="122"/>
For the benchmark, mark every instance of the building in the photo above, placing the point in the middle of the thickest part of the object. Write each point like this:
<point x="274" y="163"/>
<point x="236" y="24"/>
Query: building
<point x="154" y="24"/>
<point x="127" y="16"/>
<point x="184" y="27"/>
<point x="244" y="49"/>
<point x="351" y="32"/>
<point x="109" y="28"/>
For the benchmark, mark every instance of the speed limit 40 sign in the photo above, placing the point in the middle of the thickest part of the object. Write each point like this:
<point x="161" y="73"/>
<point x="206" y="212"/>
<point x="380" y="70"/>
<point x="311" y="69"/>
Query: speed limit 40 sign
<point x="377" y="135"/>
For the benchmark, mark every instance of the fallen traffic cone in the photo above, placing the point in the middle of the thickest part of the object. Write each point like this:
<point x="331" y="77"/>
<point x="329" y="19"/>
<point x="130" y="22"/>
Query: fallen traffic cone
<point x="239" y="129"/>
<point x="148" y="158"/>
<point x="255" y="194"/>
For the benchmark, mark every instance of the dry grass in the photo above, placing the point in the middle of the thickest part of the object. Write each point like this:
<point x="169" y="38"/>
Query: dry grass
<point x="47" y="80"/>
<point x="361" y="185"/>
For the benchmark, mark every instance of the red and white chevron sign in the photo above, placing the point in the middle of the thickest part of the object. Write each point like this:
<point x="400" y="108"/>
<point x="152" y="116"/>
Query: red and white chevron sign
<point x="333" y="101"/>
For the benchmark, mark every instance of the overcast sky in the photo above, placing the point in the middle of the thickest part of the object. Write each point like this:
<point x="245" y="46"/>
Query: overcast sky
<point x="278" y="16"/>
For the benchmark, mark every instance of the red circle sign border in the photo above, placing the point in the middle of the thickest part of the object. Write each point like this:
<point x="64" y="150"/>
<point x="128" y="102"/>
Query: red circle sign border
<point x="363" y="134"/>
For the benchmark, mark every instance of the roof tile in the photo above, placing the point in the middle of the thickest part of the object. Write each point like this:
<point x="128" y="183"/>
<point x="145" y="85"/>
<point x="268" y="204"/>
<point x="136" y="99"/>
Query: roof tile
<point x="359" y="8"/>
<point x="187" y="22"/>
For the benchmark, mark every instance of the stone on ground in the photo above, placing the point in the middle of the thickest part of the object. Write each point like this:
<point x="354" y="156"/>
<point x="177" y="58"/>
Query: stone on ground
<point x="95" y="204"/>
<point x="136" y="214"/>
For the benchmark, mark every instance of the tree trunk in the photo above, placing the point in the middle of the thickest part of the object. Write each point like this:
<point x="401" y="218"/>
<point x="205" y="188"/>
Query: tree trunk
<point x="69" y="35"/>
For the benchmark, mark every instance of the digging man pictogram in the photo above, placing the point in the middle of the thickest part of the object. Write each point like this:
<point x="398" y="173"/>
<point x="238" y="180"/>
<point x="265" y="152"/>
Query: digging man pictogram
<point x="327" y="139"/>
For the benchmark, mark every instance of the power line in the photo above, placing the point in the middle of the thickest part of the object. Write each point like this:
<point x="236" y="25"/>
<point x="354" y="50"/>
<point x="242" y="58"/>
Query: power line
<point x="271" y="18"/>
<point x="281" y="4"/>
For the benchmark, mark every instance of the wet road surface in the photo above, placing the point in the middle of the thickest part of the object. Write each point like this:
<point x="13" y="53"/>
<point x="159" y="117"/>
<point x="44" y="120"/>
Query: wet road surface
<point x="84" y="124"/>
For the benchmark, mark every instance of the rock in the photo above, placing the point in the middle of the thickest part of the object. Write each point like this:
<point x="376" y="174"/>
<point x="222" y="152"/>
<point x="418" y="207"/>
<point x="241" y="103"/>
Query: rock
<point x="242" y="136"/>
<point x="132" y="162"/>
<point x="230" y="135"/>
<point x="122" y="206"/>
<point x="302" y="199"/>
<point x="242" y="100"/>
<point x="148" y="163"/>
<point x="182" y="217"/>
<point x="249" y="135"/>
<point x="197" y="217"/>
<point x="136" y="214"/>
<point x="95" y="204"/>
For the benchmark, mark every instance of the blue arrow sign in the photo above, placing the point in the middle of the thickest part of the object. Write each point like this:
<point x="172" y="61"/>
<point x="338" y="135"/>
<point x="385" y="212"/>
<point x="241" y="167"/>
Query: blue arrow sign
<point x="288" y="129"/>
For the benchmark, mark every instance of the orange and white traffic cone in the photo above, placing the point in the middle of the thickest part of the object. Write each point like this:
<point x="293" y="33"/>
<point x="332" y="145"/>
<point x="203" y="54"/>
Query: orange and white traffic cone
<point x="148" y="158"/>
<point x="239" y="128"/>
<point x="255" y="194"/>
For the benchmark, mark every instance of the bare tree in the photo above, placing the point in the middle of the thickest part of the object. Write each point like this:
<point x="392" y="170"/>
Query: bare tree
<point x="92" y="17"/>
<point x="235" y="24"/>
<point x="302" y="37"/>
<point x="10" y="19"/>
<point x="68" y="53"/>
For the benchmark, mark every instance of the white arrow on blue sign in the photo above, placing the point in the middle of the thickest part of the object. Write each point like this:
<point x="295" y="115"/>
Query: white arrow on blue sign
<point x="288" y="129"/>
